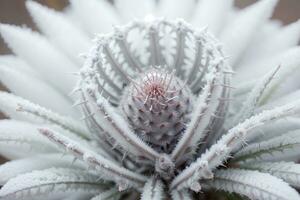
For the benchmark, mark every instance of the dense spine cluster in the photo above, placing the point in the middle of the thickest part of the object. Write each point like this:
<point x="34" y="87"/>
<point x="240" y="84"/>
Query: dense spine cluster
<point x="158" y="105"/>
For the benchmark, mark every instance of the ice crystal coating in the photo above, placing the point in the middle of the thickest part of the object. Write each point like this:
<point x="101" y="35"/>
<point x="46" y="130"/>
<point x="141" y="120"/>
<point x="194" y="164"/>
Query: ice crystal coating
<point x="166" y="114"/>
<point x="157" y="102"/>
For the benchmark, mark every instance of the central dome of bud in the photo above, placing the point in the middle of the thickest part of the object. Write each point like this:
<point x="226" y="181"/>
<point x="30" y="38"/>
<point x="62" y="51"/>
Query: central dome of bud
<point x="157" y="105"/>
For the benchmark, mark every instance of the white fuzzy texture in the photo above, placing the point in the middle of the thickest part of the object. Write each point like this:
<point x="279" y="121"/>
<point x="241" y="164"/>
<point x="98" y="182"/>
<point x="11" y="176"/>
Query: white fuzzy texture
<point x="52" y="64"/>
<point x="96" y="16"/>
<point x="175" y="8"/>
<point x="107" y="168"/>
<point x="128" y="9"/>
<point x="19" y="65"/>
<point x="24" y="139"/>
<point x="235" y="137"/>
<point x="253" y="184"/>
<point x="33" y="89"/>
<point x="206" y="105"/>
<point x="275" y="43"/>
<point x="278" y="128"/>
<point x="120" y="164"/>
<point x="153" y="190"/>
<point x="118" y="128"/>
<point x="53" y="182"/>
<point x="12" y="168"/>
<point x="203" y="14"/>
<point x="238" y="34"/>
<point x="288" y="60"/>
<point x="287" y="171"/>
<point x="277" y="148"/>
<point x="254" y="97"/>
<point x="45" y="115"/>
<point x="55" y="25"/>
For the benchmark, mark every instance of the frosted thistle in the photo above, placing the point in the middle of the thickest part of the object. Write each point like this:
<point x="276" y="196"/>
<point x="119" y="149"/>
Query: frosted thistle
<point x="170" y="111"/>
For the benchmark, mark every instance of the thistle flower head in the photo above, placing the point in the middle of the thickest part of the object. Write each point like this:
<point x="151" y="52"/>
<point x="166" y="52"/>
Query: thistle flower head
<point x="157" y="106"/>
<point x="164" y="114"/>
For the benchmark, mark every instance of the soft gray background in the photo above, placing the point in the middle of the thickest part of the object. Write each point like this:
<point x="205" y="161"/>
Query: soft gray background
<point x="14" y="12"/>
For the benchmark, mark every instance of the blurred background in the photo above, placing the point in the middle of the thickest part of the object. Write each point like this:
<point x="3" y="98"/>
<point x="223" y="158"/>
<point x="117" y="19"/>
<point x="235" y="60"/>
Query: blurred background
<point x="14" y="12"/>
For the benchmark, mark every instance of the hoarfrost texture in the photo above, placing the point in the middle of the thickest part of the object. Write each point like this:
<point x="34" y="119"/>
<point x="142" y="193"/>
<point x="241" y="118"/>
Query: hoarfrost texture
<point x="173" y="99"/>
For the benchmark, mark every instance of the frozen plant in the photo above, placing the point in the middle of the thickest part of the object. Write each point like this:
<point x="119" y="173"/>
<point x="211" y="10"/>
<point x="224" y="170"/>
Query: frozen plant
<point x="169" y="111"/>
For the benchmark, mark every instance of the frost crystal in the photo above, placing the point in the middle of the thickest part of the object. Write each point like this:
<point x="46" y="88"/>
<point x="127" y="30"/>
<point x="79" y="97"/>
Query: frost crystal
<point x="166" y="114"/>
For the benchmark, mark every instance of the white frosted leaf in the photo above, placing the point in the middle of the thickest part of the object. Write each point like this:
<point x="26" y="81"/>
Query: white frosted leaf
<point x="239" y="33"/>
<point x="21" y="139"/>
<point x="172" y="9"/>
<point x="14" y="168"/>
<point x="276" y="148"/>
<point x="18" y="108"/>
<point x="34" y="89"/>
<point x="18" y="64"/>
<point x="108" y="195"/>
<point x="212" y="14"/>
<point x="289" y="62"/>
<point x="153" y="190"/>
<point x="254" y="97"/>
<point x="8" y="106"/>
<point x="253" y="184"/>
<point x="230" y="142"/>
<point x="108" y="169"/>
<point x="287" y="171"/>
<point x="60" y="30"/>
<point x="113" y="123"/>
<point x="288" y="77"/>
<point x="45" y="115"/>
<point x="42" y="56"/>
<point x="97" y="16"/>
<point x="273" y="43"/>
<point x="207" y="103"/>
<point x="277" y="128"/>
<point x="135" y="9"/>
<point x="58" y="183"/>
<point x="280" y="100"/>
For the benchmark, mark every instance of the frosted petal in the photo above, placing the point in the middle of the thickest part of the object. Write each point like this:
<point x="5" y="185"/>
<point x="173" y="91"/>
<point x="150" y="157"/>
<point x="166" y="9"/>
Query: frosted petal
<point x="14" y="168"/>
<point x="21" y="139"/>
<point x="18" y="64"/>
<point x="212" y="14"/>
<point x="287" y="171"/>
<point x="275" y="149"/>
<point x="135" y="9"/>
<point x="40" y="54"/>
<point x="60" y="30"/>
<point x="51" y="184"/>
<point x="98" y="16"/>
<point x="238" y="34"/>
<point x="34" y="90"/>
<point x="230" y="142"/>
<point x="10" y="105"/>
<point x="277" y="128"/>
<point x="176" y="8"/>
<point x="253" y="184"/>
<point x="109" y="170"/>
<point x="289" y="62"/>
<point x="273" y="43"/>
